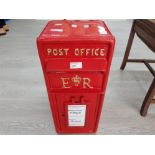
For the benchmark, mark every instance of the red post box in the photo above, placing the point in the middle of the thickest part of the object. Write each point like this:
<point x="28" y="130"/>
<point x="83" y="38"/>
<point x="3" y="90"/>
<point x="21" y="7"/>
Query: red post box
<point x="76" y="57"/>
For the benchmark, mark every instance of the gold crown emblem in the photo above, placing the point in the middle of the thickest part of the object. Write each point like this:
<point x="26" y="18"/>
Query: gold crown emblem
<point x="76" y="79"/>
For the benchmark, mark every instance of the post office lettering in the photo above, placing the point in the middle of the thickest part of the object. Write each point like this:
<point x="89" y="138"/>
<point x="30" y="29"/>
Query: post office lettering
<point x="76" y="52"/>
<point x="57" y="52"/>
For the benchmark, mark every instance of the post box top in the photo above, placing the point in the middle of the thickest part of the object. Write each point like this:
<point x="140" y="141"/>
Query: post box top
<point x="70" y="30"/>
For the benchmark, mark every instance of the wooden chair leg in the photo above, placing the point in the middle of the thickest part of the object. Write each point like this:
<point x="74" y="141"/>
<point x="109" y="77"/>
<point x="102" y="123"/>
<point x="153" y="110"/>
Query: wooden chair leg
<point x="128" y="48"/>
<point x="148" y="98"/>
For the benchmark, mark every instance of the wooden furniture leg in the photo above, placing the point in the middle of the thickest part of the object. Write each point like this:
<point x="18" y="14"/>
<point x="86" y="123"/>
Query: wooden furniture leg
<point x="145" y="31"/>
<point x="128" y="48"/>
<point x="148" y="99"/>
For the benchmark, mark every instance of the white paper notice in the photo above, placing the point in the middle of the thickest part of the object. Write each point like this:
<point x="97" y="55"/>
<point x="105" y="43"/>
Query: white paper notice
<point x="74" y="65"/>
<point x="76" y="115"/>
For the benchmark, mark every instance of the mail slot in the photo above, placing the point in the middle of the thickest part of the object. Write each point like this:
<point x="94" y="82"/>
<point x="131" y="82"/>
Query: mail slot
<point x="76" y="56"/>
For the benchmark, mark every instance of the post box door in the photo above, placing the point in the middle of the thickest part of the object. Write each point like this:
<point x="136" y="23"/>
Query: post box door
<point x="77" y="111"/>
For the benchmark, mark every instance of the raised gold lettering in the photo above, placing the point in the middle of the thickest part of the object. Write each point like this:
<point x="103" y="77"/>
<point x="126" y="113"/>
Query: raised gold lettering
<point x="66" y="51"/>
<point x="55" y="52"/>
<point x="102" y="52"/>
<point x="76" y="52"/>
<point x="96" y="53"/>
<point x="86" y="83"/>
<point x="82" y="51"/>
<point x="49" y="51"/>
<point x="92" y="52"/>
<point x="87" y="51"/>
<point x="65" y="82"/>
<point x="60" y="52"/>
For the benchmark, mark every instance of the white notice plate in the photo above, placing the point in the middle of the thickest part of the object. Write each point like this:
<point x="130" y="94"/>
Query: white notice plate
<point x="76" y="115"/>
<point x="74" y="65"/>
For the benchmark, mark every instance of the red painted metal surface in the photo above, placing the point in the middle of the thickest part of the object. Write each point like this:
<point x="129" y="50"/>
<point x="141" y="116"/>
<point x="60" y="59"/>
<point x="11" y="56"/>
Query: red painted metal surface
<point x="76" y="56"/>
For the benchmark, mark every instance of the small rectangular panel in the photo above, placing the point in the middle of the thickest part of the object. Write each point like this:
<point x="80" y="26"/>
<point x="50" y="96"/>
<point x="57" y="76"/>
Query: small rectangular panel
<point x="76" y="115"/>
<point x="75" y="65"/>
